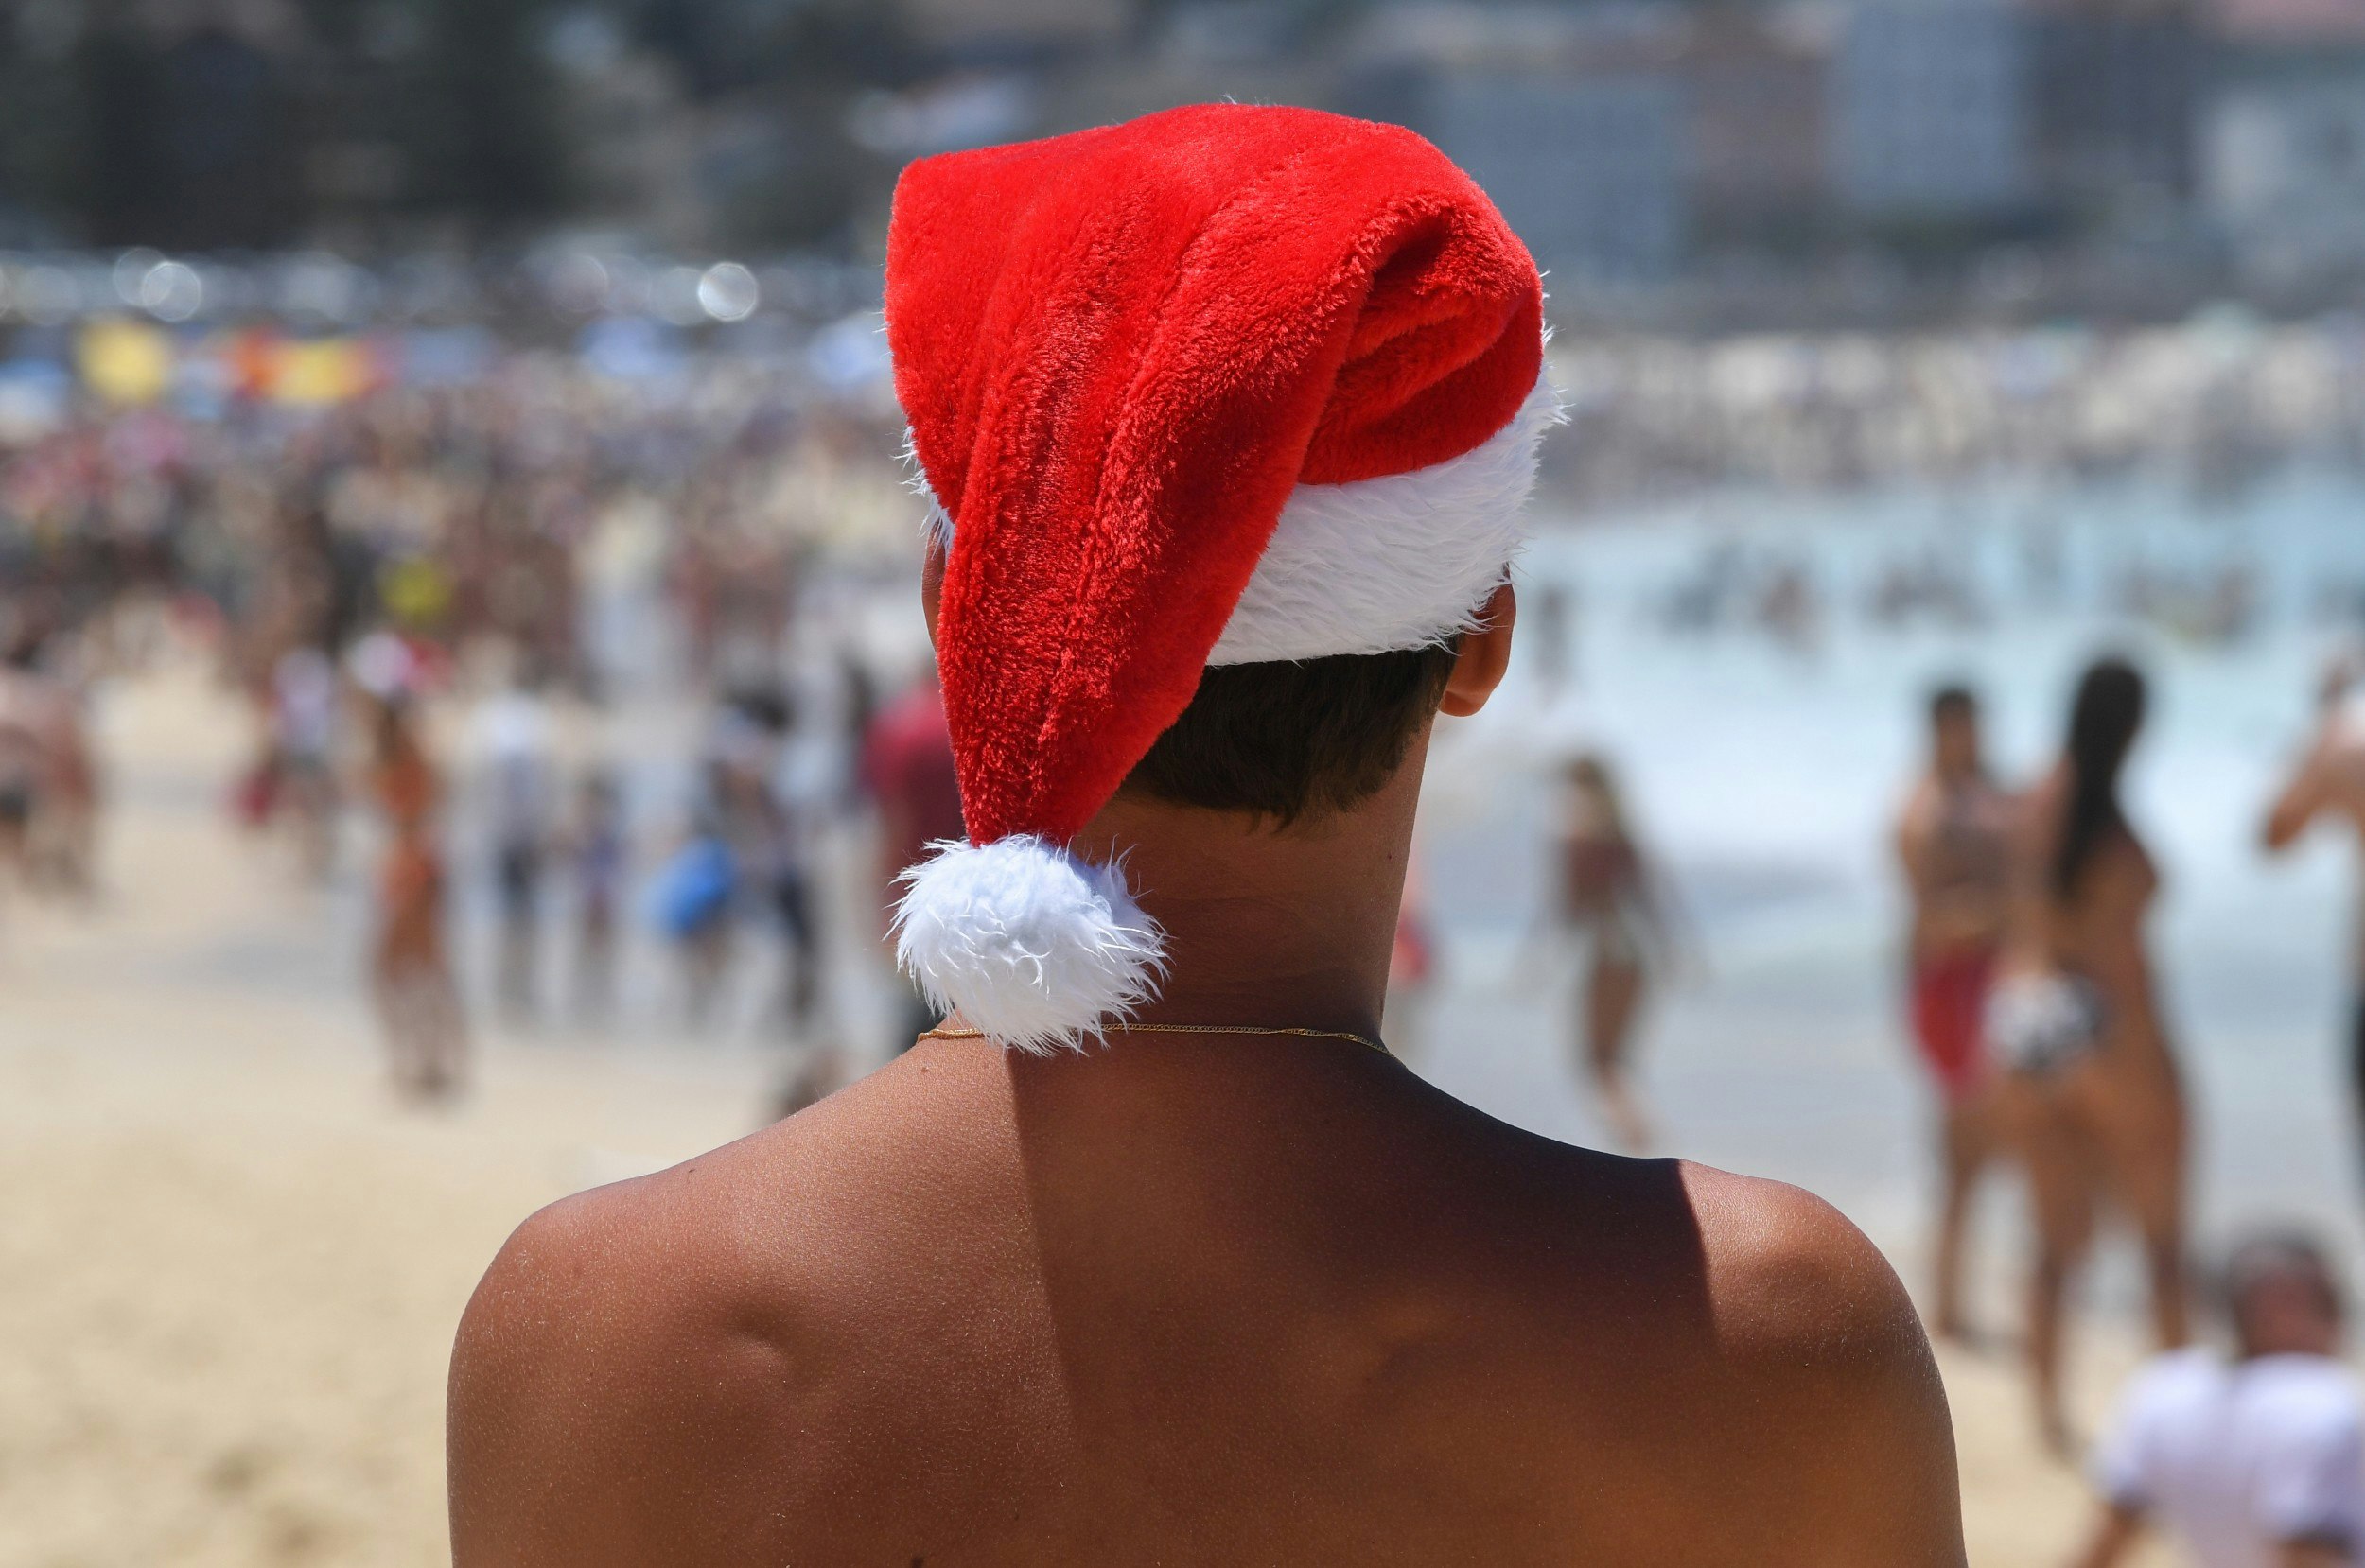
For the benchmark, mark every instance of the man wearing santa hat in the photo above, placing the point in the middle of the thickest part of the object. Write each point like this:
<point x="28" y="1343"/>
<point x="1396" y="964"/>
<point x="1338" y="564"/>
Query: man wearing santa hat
<point x="1151" y="1253"/>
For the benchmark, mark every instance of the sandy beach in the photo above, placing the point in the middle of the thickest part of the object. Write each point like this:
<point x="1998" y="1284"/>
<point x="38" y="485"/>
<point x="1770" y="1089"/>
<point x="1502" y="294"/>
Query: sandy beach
<point x="230" y="1262"/>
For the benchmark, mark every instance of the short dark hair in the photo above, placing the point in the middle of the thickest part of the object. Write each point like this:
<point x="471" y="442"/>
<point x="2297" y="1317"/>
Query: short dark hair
<point x="1287" y="741"/>
<point x="1952" y="700"/>
<point x="2275" y="1255"/>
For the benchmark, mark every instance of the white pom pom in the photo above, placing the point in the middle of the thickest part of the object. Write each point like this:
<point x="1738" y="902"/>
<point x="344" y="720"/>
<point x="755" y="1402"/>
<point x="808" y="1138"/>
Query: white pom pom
<point x="1034" y="946"/>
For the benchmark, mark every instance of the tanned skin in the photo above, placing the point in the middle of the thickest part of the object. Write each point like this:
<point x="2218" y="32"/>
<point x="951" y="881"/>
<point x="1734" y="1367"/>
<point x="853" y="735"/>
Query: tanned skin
<point x="1198" y="1301"/>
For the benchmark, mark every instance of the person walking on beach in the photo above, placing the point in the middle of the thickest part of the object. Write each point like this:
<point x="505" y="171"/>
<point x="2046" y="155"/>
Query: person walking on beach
<point x="1412" y="965"/>
<point x="2329" y="782"/>
<point x="2252" y="1461"/>
<point x="419" y="1004"/>
<point x="27" y="732"/>
<point x="597" y="850"/>
<point x="516" y="738"/>
<point x="2091" y="1092"/>
<point x="304" y="715"/>
<point x="906" y="769"/>
<point x="1609" y="898"/>
<point x="1150" y="1252"/>
<point x="693" y="898"/>
<point x="1954" y="843"/>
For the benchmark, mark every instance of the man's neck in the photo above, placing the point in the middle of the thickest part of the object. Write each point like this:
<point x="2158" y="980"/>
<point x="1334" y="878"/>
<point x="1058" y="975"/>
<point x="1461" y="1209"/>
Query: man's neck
<point x="1268" y="926"/>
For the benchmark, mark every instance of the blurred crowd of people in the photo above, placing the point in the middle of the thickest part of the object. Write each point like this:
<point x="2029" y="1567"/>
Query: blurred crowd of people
<point x="2219" y="397"/>
<point x="1773" y="590"/>
<point x="482" y="613"/>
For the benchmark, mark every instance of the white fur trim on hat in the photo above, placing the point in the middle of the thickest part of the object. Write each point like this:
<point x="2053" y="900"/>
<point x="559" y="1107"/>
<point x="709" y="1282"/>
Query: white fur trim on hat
<point x="1403" y="561"/>
<point x="1373" y="566"/>
<point x="1034" y="946"/>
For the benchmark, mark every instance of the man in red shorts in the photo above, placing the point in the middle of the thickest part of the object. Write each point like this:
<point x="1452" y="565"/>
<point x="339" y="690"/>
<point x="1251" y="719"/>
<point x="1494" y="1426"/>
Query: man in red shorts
<point x="1953" y="843"/>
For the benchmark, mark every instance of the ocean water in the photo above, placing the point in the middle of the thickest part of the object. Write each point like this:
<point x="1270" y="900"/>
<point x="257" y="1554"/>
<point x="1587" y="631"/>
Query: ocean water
<point x="1765" y="772"/>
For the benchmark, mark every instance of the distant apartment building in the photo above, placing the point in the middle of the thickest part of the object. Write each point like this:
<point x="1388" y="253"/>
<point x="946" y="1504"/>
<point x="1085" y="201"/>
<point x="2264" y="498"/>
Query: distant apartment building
<point x="2282" y="139"/>
<point x="995" y="28"/>
<point x="2283" y="174"/>
<point x="1757" y="167"/>
<point x="1619" y="138"/>
<point x="1930" y="111"/>
<point x="1590" y="169"/>
<point x="2113" y="96"/>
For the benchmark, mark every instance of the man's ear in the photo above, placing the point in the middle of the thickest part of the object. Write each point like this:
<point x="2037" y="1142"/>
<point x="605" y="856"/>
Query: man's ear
<point x="1485" y="654"/>
<point x="931" y="584"/>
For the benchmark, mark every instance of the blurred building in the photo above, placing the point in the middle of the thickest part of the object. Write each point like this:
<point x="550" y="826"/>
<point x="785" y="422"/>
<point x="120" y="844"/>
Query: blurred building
<point x="1930" y="111"/>
<point x="1014" y="27"/>
<point x="1757" y="87"/>
<point x="1588" y="169"/>
<point x="1617" y="139"/>
<point x="2282" y="140"/>
<point x="2283" y="174"/>
<point x="2113" y="99"/>
<point x="196" y="108"/>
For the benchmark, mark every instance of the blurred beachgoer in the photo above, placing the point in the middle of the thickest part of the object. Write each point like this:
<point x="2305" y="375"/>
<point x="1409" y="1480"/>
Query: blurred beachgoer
<point x="410" y="972"/>
<point x="1554" y="619"/>
<point x="1150" y="1252"/>
<point x="305" y="711"/>
<point x="48" y="776"/>
<point x="1789" y="610"/>
<point x="907" y="769"/>
<point x="775" y="846"/>
<point x="2330" y="782"/>
<point x="518" y="780"/>
<point x="1954" y="845"/>
<point x="596" y="853"/>
<point x="1411" y="969"/>
<point x="2091" y="1092"/>
<point x="694" y="896"/>
<point x="25" y="731"/>
<point x="66" y="828"/>
<point x="2255" y="1460"/>
<point x="1609" y="897"/>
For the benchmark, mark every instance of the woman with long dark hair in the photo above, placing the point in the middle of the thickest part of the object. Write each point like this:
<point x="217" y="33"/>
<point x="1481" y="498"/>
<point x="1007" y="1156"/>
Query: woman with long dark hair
<point x="2092" y="1089"/>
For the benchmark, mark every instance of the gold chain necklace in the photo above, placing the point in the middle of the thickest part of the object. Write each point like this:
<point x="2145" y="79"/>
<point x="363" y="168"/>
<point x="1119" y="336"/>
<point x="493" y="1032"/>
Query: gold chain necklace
<point x="940" y="1033"/>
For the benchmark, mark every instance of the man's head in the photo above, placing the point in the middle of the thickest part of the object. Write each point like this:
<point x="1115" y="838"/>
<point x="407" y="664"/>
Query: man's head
<point x="1285" y="742"/>
<point x="1166" y="430"/>
<point x="2281" y="1296"/>
<point x="1954" y="745"/>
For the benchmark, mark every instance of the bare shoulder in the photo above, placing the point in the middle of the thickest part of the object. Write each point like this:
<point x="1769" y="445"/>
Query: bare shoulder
<point x="647" y="1369"/>
<point x="608" y="1384"/>
<point x="1787" y="1272"/>
<point x="1828" y="1381"/>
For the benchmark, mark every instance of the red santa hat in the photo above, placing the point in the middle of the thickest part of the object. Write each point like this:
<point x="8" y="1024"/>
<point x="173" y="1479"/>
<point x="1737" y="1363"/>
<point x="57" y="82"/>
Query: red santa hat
<point x="1222" y="385"/>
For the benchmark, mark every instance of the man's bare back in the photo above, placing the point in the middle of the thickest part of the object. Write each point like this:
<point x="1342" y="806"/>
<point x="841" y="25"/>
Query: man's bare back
<point x="1221" y="1300"/>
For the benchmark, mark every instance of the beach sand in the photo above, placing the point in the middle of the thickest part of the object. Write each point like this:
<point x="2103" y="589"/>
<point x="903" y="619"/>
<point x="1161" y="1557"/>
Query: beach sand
<point x="229" y="1264"/>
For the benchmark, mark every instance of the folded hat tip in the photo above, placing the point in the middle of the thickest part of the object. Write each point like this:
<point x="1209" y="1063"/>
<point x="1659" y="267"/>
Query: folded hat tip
<point x="1036" y="948"/>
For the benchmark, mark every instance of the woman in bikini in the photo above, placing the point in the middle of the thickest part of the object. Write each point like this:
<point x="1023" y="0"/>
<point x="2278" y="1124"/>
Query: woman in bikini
<point x="1608" y="897"/>
<point x="419" y="1005"/>
<point x="2094" y="1097"/>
